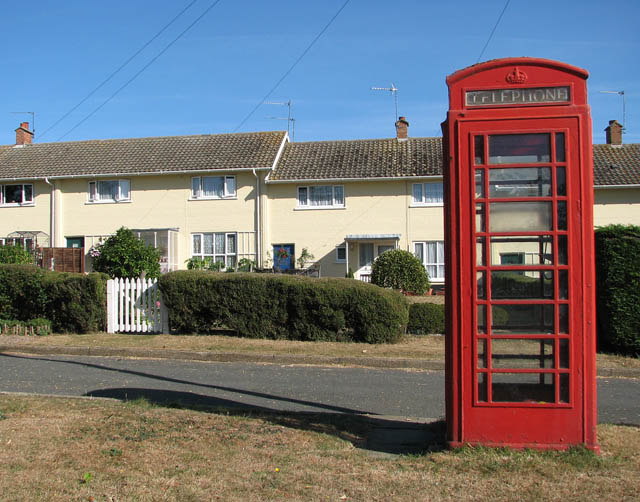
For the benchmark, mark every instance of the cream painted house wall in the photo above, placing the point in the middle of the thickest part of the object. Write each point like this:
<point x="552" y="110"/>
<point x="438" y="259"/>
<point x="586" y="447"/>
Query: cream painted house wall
<point x="616" y="206"/>
<point x="31" y="217"/>
<point x="371" y="207"/>
<point x="159" y="202"/>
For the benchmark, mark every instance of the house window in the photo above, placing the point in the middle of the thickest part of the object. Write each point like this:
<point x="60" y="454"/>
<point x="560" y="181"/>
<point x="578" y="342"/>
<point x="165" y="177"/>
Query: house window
<point x="110" y="191"/>
<point x="213" y="187"/>
<point x="219" y="246"/>
<point x="431" y="254"/>
<point x="341" y="253"/>
<point x="16" y="195"/>
<point x="321" y="196"/>
<point x="428" y="194"/>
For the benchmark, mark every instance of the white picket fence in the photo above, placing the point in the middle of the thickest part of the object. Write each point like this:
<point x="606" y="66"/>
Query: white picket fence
<point x="135" y="306"/>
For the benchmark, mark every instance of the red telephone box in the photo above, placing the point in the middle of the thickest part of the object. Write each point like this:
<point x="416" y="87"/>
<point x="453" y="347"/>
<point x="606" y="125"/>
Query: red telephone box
<point x="520" y="364"/>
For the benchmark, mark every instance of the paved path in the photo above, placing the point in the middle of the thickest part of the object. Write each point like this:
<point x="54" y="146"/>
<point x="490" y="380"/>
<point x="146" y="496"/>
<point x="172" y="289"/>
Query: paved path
<point x="267" y="387"/>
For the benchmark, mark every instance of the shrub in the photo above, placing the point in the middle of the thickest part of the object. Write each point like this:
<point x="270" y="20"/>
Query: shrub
<point x="618" y="288"/>
<point x="399" y="269"/>
<point x="72" y="302"/>
<point x="15" y="254"/>
<point x="426" y="319"/>
<point x="76" y="303"/>
<point x="283" y="307"/>
<point x="124" y="255"/>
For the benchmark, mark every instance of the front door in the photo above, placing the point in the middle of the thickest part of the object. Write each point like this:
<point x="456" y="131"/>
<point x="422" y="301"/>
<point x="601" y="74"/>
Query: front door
<point x="524" y="339"/>
<point x="365" y="260"/>
<point x="283" y="257"/>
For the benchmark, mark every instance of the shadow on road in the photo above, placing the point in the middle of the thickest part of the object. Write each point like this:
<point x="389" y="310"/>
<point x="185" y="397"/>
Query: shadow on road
<point x="395" y="435"/>
<point x="398" y="435"/>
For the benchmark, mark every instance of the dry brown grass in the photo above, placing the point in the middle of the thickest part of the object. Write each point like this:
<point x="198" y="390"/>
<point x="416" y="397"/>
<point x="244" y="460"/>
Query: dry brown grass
<point x="429" y="348"/>
<point x="60" y="449"/>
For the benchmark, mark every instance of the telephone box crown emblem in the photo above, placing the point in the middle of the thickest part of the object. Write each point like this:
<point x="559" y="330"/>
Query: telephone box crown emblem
<point x="516" y="76"/>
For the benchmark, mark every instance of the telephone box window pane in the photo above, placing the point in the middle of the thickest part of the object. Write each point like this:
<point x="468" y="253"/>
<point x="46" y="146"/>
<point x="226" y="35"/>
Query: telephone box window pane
<point x="480" y="260"/>
<point x="564" y="353"/>
<point x="564" y="388"/>
<point x="522" y="250"/>
<point x="481" y="281"/>
<point x="482" y="319"/>
<point x="521" y="285"/>
<point x="560" y="155"/>
<point x="482" y="387"/>
<point x="522" y="354"/>
<point x="479" y="183"/>
<point x="562" y="215"/>
<point x="480" y="221"/>
<point x="521" y="388"/>
<point x="519" y="148"/>
<point x="479" y="149"/>
<point x="563" y="284"/>
<point x="561" y="180"/>
<point x="520" y="182"/>
<point x="482" y="353"/>
<point x="563" y="318"/>
<point x="521" y="319"/>
<point x="562" y="250"/>
<point x="520" y="216"/>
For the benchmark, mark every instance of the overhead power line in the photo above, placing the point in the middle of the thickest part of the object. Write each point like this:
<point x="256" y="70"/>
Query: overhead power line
<point x="114" y="73"/>
<point x="493" y="31"/>
<point x="286" y="74"/>
<point x="153" y="60"/>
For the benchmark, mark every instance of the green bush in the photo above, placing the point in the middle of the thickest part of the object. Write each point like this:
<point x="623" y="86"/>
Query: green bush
<point x="124" y="255"/>
<point x="15" y="254"/>
<point x="399" y="269"/>
<point x="426" y="319"/>
<point x="282" y="307"/>
<point x="618" y="288"/>
<point x="74" y="303"/>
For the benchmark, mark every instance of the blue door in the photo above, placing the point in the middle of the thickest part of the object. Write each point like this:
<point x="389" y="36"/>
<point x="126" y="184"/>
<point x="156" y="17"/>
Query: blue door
<point x="283" y="256"/>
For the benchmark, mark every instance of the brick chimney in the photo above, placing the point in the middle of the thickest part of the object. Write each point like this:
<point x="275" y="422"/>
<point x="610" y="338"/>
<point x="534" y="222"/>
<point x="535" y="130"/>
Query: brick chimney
<point x="402" y="128"/>
<point x="614" y="133"/>
<point x="23" y="135"/>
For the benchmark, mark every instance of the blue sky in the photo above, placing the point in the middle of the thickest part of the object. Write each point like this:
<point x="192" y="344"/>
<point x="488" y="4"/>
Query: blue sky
<point x="56" y="52"/>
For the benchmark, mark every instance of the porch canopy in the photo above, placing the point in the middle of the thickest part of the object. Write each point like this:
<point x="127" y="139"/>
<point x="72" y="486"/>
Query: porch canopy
<point x="357" y="238"/>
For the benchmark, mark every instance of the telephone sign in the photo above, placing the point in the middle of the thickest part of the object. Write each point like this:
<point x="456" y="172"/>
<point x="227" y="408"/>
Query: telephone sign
<point x="520" y="364"/>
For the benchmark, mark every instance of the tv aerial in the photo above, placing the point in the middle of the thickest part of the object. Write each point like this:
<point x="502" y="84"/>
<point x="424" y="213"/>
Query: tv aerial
<point x="394" y="92"/>
<point x="290" y="120"/>
<point x="624" y="106"/>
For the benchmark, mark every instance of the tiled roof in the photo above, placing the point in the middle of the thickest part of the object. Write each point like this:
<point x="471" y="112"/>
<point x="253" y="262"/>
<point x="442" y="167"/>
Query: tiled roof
<point x="367" y="158"/>
<point x="141" y="155"/>
<point x="616" y="165"/>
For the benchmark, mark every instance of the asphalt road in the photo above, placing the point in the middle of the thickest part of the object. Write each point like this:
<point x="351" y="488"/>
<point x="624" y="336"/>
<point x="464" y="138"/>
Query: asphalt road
<point x="265" y="387"/>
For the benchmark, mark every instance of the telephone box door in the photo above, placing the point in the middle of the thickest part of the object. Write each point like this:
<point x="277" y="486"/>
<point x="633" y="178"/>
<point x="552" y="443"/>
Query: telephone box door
<point x="523" y="236"/>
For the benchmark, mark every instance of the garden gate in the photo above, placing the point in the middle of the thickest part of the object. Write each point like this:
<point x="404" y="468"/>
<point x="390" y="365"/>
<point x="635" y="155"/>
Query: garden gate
<point x="135" y="306"/>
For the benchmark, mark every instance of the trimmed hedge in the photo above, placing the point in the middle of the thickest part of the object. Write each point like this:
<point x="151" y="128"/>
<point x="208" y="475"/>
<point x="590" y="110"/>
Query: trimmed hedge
<point x="426" y="319"/>
<point x="74" y="303"/>
<point x="618" y="288"/>
<point x="283" y="307"/>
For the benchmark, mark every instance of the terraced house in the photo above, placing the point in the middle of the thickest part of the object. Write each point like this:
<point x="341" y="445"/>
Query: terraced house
<point x="258" y="196"/>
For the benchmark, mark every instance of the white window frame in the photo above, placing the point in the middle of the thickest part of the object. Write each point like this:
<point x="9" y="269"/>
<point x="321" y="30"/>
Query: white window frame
<point x="304" y="201"/>
<point x="338" y="259"/>
<point x="420" y="197"/>
<point x="30" y="202"/>
<point x="226" y="256"/>
<point x="123" y="195"/>
<point x="229" y="187"/>
<point x="440" y="257"/>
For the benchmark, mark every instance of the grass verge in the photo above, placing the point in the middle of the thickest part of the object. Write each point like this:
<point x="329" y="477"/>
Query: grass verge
<point x="58" y="449"/>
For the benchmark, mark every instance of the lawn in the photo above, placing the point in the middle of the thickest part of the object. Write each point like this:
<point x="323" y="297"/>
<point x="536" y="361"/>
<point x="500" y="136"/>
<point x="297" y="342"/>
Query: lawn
<point x="60" y="449"/>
